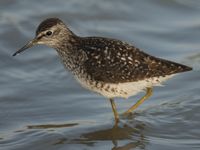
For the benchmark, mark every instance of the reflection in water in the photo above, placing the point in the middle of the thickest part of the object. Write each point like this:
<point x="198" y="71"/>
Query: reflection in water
<point x="46" y="126"/>
<point x="116" y="134"/>
<point x="128" y="146"/>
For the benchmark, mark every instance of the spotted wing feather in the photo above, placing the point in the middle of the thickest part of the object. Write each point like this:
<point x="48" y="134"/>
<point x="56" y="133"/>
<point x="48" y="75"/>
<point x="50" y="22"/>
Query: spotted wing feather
<point x="114" y="61"/>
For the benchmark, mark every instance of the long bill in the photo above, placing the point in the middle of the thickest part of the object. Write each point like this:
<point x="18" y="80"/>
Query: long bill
<point x="28" y="45"/>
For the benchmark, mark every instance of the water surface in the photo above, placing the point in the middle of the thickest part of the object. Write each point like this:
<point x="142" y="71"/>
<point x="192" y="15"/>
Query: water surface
<point x="43" y="107"/>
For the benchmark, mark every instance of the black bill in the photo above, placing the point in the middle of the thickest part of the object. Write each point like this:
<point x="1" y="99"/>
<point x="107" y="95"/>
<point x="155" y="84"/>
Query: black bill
<point x="28" y="45"/>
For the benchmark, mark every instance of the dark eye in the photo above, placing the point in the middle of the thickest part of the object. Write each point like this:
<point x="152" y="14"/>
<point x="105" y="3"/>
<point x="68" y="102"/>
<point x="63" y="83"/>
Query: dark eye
<point x="48" y="33"/>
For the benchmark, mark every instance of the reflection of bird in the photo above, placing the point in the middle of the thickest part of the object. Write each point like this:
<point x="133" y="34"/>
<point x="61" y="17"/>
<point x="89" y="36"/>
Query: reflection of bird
<point x="132" y="136"/>
<point x="123" y="137"/>
<point x="107" y="66"/>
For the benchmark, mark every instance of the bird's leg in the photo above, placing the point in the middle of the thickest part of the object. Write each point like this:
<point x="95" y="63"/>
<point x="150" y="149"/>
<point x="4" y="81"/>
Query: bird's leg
<point x="114" y="111"/>
<point x="149" y="92"/>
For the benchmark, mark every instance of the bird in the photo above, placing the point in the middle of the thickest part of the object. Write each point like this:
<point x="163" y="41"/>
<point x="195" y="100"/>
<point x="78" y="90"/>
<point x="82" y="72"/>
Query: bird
<point x="108" y="66"/>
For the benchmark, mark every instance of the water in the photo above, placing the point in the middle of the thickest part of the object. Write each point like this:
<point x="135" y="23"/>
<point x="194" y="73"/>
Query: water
<point x="43" y="107"/>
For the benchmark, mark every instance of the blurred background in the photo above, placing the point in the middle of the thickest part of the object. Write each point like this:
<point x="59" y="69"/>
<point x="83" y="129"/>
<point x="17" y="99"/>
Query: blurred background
<point x="43" y="107"/>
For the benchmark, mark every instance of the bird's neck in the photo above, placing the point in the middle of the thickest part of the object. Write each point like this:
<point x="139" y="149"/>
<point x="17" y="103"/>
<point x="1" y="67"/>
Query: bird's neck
<point x="70" y="54"/>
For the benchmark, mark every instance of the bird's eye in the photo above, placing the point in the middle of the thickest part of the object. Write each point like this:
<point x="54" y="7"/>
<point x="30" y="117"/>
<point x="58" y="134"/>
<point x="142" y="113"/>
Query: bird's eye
<point x="48" y="33"/>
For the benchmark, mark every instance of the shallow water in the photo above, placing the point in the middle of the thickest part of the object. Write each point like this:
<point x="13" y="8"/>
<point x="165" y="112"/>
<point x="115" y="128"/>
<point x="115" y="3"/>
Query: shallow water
<point x="43" y="107"/>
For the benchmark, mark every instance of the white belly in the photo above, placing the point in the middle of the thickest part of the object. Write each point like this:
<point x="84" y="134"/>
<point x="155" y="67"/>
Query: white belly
<point x="125" y="90"/>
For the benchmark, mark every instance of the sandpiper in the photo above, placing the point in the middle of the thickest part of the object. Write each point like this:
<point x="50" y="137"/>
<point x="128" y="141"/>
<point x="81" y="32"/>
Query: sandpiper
<point x="107" y="66"/>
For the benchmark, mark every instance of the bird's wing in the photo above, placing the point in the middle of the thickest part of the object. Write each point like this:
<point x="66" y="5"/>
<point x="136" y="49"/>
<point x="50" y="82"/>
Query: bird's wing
<point x="115" y="61"/>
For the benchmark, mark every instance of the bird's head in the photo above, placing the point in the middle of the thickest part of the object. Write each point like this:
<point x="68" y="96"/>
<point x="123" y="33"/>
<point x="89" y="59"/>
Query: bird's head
<point x="50" y="32"/>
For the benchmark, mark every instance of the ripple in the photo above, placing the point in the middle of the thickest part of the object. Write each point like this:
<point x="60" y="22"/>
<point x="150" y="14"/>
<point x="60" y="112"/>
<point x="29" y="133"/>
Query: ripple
<point x="37" y="94"/>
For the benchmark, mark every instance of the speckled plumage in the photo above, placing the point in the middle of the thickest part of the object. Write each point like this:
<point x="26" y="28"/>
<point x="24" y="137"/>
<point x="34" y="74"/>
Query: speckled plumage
<point x="113" y="61"/>
<point x="107" y="66"/>
<point x="116" y="69"/>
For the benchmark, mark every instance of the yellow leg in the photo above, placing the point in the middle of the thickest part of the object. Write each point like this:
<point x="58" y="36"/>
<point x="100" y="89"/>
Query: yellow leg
<point x="147" y="95"/>
<point x="114" y="111"/>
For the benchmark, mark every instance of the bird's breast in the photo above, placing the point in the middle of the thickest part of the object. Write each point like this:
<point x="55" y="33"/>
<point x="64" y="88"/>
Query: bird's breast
<point x="124" y="90"/>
